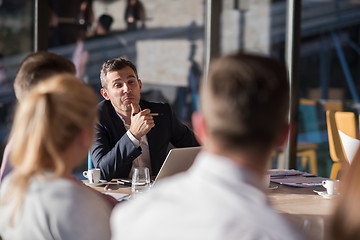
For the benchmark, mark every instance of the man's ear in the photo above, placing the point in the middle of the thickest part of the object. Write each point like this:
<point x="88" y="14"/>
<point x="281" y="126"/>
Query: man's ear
<point x="140" y="83"/>
<point x="199" y="125"/>
<point x="104" y="93"/>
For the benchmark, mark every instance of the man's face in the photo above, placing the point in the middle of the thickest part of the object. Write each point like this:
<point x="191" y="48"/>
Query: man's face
<point x="123" y="88"/>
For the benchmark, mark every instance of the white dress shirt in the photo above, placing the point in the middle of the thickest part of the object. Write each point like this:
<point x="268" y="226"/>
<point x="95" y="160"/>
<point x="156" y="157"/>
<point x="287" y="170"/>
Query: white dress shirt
<point x="215" y="199"/>
<point x="144" y="159"/>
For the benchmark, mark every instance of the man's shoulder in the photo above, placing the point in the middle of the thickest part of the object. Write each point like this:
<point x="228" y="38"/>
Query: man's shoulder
<point x="106" y="110"/>
<point x="155" y="106"/>
<point x="104" y="104"/>
<point x="151" y="104"/>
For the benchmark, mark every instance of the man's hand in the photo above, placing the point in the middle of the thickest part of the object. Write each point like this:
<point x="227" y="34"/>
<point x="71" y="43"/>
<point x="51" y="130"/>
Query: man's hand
<point x="141" y="123"/>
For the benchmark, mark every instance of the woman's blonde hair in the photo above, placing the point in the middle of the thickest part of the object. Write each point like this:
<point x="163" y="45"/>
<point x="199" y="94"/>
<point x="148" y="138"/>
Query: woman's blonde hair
<point x="346" y="220"/>
<point x="47" y="121"/>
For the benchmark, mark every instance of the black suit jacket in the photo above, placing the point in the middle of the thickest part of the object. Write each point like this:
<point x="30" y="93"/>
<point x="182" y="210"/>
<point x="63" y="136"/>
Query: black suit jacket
<point x="113" y="152"/>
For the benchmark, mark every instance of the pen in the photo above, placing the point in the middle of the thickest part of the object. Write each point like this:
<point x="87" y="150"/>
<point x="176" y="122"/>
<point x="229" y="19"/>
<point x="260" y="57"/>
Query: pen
<point x="151" y="114"/>
<point x="124" y="182"/>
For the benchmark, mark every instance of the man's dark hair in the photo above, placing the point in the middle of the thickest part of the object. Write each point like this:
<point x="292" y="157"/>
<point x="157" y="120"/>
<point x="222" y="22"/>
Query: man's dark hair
<point x="115" y="64"/>
<point x="245" y="100"/>
<point x="37" y="67"/>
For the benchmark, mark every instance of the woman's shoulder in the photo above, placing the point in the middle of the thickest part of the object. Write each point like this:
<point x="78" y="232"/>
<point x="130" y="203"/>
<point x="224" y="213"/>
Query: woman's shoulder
<point x="71" y="190"/>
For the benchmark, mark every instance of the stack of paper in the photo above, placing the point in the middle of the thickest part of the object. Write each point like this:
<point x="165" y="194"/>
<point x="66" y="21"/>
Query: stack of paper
<point x="294" y="178"/>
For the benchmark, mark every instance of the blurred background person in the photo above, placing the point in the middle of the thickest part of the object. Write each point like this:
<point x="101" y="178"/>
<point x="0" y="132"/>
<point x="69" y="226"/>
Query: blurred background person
<point x="103" y="25"/>
<point x="52" y="132"/>
<point x="80" y="55"/>
<point x="67" y="18"/>
<point x="134" y="12"/>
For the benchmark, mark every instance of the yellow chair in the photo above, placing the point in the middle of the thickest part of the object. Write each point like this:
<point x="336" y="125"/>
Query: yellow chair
<point x="344" y="121"/>
<point x="333" y="106"/>
<point x="305" y="151"/>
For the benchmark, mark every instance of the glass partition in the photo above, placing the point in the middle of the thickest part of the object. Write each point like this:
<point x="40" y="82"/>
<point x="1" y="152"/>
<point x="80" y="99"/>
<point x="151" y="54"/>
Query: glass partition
<point x="164" y="38"/>
<point x="16" y="41"/>
<point x="255" y="26"/>
<point x="329" y="75"/>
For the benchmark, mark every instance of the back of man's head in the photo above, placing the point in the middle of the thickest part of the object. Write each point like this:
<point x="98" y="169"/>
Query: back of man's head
<point x="37" y="67"/>
<point x="105" y="21"/>
<point x="245" y="101"/>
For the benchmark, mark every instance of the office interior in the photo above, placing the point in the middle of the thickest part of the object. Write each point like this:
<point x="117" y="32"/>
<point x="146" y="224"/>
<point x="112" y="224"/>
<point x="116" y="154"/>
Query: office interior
<point x="173" y="42"/>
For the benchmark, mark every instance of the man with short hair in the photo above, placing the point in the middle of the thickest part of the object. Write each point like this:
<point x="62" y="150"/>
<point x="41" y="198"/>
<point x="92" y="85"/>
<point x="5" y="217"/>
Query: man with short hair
<point x="244" y="106"/>
<point x="133" y="132"/>
<point x="34" y="68"/>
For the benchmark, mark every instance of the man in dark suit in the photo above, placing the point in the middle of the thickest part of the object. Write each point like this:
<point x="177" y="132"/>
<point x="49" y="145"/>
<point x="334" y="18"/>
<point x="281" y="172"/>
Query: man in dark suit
<point x="132" y="132"/>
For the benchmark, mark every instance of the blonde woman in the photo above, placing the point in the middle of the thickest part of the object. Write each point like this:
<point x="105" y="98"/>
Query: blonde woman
<point x="52" y="132"/>
<point x="346" y="220"/>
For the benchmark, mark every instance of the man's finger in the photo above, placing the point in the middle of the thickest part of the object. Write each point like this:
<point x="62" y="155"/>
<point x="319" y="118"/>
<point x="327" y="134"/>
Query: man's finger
<point x="133" y="110"/>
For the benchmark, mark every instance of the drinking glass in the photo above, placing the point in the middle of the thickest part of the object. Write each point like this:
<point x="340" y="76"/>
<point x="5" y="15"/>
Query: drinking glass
<point x="140" y="180"/>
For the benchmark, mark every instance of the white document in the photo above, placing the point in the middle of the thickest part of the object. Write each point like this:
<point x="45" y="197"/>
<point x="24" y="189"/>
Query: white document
<point x="351" y="146"/>
<point x="117" y="196"/>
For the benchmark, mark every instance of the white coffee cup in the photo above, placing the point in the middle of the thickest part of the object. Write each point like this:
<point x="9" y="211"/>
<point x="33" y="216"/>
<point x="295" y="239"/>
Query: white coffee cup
<point x="93" y="175"/>
<point x="331" y="186"/>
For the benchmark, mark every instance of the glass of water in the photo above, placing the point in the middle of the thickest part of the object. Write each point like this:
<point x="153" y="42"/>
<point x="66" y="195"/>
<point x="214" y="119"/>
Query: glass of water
<point x="140" y="180"/>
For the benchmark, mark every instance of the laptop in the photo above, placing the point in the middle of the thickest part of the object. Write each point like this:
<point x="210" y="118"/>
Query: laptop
<point x="178" y="160"/>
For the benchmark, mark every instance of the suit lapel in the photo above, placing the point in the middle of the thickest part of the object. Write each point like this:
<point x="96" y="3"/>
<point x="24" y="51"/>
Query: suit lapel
<point x="117" y="123"/>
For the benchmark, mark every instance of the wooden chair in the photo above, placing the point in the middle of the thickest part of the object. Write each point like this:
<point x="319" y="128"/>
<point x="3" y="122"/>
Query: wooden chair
<point x="333" y="106"/>
<point x="344" y="121"/>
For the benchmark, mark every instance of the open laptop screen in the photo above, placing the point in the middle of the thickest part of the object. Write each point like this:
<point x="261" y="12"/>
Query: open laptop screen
<point x="178" y="160"/>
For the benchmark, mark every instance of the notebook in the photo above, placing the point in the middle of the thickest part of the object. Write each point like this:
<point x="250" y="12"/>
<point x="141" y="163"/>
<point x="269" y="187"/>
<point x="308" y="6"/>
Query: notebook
<point x="178" y="160"/>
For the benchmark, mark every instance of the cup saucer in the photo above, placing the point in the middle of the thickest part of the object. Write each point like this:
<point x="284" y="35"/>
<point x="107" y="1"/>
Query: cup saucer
<point x="324" y="194"/>
<point x="101" y="182"/>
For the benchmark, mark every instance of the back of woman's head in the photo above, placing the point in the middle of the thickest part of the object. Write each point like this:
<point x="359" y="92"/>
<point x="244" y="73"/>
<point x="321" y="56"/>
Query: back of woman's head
<point x="346" y="221"/>
<point x="48" y="120"/>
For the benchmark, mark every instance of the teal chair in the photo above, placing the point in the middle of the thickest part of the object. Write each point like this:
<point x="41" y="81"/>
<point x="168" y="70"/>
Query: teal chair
<point x="309" y="138"/>
<point x="90" y="163"/>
